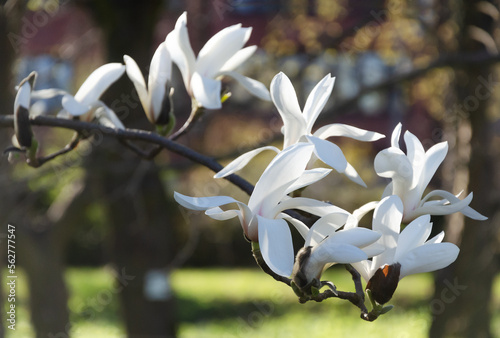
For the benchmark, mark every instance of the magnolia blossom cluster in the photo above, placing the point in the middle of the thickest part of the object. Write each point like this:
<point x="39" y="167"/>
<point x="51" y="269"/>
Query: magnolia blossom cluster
<point x="397" y="244"/>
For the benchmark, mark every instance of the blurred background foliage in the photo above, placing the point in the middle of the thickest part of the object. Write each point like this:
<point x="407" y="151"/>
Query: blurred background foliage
<point x="429" y="64"/>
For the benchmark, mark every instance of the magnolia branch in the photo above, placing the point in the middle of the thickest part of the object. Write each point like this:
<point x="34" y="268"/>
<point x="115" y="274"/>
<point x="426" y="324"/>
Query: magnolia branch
<point x="131" y="135"/>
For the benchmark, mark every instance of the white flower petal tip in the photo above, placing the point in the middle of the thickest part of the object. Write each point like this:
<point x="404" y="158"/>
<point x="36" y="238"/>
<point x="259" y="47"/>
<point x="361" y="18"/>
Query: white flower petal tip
<point x="241" y="161"/>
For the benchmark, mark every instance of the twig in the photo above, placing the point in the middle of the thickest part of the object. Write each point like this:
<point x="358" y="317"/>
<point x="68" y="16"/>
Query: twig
<point x="196" y="113"/>
<point x="133" y="134"/>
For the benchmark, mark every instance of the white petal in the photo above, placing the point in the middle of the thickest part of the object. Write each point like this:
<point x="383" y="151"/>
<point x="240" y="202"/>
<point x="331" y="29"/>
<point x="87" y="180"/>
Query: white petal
<point x="467" y="211"/>
<point x="329" y="153"/>
<point x="203" y="203"/>
<point x="317" y="99"/>
<point x="433" y="158"/>
<point x="206" y="91"/>
<point x="309" y="177"/>
<point x="282" y="172"/>
<point x="238" y="58"/>
<point x="74" y="107"/>
<point x="364" y="269"/>
<point x="241" y="161"/>
<point x="395" y="136"/>
<point x="359" y="237"/>
<point x="309" y="205"/>
<point x="275" y="241"/>
<point x="180" y="50"/>
<point x="353" y="175"/>
<point x="222" y="215"/>
<point x="416" y="155"/>
<point x="285" y="99"/>
<point x="436" y="239"/>
<point x="387" y="221"/>
<point x="255" y="87"/>
<point x="324" y="227"/>
<point x="414" y="235"/>
<point x="393" y="163"/>
<point x="104" y="113"/>
<point x="160" y="72"/>
<point x="364" y="209"/>
<point x="338" y="129"/>
<point x="135" y="75"/>
<point x="97" y="82"/>
<point x="455" y="205"/>
<point x="44" y="94"/>
<point x="301" y="227"/>
<point x="330" y="251"/>
<point x="429" y="257"/>
<point x="221" y="48"/>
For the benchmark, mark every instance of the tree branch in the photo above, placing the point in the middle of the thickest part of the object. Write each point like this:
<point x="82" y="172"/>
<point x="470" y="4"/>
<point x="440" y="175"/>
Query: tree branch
<point x="132" y="134"/>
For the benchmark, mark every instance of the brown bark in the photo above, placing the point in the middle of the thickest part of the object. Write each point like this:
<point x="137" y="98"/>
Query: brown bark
<point x="461" y="304"/>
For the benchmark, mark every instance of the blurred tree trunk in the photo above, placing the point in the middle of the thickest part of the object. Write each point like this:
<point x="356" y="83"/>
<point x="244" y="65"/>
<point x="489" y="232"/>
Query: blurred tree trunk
<point x="136" y="204"/>
<point x="463" y="294"/>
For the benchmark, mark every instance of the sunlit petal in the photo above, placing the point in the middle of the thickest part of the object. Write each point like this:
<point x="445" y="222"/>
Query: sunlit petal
<point x="309" y="177"/>
<point x="180" y="50"/>
<point x="344" y="130"/>
<point x="135" y="75"/>
<point x="387" y="221"/>
<point x="330" y="251"/>
<point x="395" y="136"/>
<point x="324" y="227"/>
<point x="359" y="237"/>
<point x="160" y="73"/>
<point x="285" y="99"/>
<point x="329" y="153"/>
<point x="414" y="235"/>
<point x="428" y="257"/>
<point x="275" y="241"/>
<point x="433" y="158"/>
<point x="238" y="58"/>
<point x="241" y="161"/>
<point x="316" y="100"/>
<point x="301" y="227"/>
<point x="206" y="91"/>
<point x="416" y="155"/>
<point x="221" y="48"/>
<point x="255" y="87"/>
<point x="97" y="82"/>
<point x="309" y="205"/>
<point x="203" y="203"/>
<point x="74" y="107"/>
<point x="282" y="172"/>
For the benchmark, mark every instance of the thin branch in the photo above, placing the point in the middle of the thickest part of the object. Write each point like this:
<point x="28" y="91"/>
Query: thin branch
<point x="69" y="147"/>
<point x="196" y="113"/>
<point x="132" y="134"/>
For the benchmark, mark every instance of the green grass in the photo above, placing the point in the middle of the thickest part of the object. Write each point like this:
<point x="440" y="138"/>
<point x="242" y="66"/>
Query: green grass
<point x="241" y="303"/>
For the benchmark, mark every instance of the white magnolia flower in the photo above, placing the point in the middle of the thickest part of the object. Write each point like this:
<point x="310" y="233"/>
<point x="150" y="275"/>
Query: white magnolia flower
<point x="160" y="71"/>
<point x="297" y="127"/>
<point x="262" y="219"/>
<point x="218" y="57"/>
<point x="326" y="245"/>
<point x="86" y="101"/>
<point x="411" y="173"/>
<point x="405" y="253"/>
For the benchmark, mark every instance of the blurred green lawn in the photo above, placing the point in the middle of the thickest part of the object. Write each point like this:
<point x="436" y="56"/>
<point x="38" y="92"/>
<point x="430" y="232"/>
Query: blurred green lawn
<point x="242" y="303"/>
